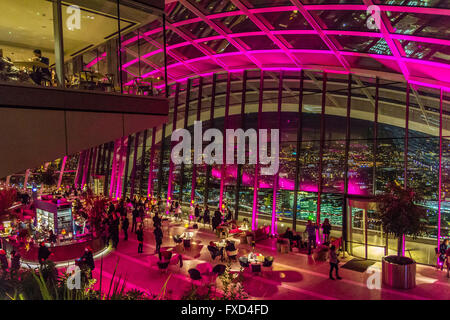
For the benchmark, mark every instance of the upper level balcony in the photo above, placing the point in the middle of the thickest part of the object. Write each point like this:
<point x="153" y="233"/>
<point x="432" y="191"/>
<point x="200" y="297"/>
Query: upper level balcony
<point x="75" y="44"/>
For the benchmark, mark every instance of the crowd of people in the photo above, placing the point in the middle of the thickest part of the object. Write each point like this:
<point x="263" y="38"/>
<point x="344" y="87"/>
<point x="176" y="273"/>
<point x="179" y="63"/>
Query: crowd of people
<point x="117" y="214"/>
<point x="311" y="230"/>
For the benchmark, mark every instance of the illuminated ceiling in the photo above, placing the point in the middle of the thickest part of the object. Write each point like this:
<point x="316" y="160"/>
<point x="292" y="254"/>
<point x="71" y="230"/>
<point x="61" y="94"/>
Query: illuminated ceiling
<point x="204" y="36"/>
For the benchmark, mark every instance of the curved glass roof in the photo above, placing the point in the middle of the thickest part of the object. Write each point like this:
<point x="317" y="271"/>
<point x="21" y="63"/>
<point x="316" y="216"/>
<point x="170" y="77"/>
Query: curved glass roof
<point x="409" y="42"/>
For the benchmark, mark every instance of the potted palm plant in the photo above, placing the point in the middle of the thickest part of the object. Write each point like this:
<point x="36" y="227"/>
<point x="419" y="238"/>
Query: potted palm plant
<point x="400" y="215"/>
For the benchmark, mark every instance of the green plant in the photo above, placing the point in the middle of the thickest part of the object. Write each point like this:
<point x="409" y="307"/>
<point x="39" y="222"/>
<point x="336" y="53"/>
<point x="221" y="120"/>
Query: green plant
<point x="400" y="213"/>
<point x="46" y="283"/>
<point x="7" y="198"/>
<point x="231" y="288"/>
<point x="96" y="209"/>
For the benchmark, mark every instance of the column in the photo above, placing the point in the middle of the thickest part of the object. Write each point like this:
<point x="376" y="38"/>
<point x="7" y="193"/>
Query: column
<point x="133" y="169"/>
<point x="297" y="155"/>
<point x="150" y="172"/>
<point x="211" y="125"/>
<point x="185" y="126"/>
<point x="141" y="177"/>
<point x="405" y="156"/>
<point x="274" y="228"/>
<point x="225" y="126"/>
<point x="255" y="181"/>
<point x="114" y="167"/>
<point x="27" y="175"/>
<point x="126" y="166"/>
<point x="239" y="166"/>
<point x="347" y="148"/>
<point x="194" y="166"/>
<point x="322" y="142"/>
<point x="440" y="170"/>
<point x="61" y="171"/>
<point x="174" y="127"/>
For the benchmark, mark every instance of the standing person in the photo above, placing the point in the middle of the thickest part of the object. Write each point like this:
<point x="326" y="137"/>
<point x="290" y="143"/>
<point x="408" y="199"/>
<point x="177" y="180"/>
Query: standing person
<point x="311" y="230"/>
<point x="326" y="230"/>
<point x="229" y="215"/>
<point x="448" y="262"/>
<point x="3" y="262"/>
<point x="197" y="212"/>
<point x="125" y="225"/>
<point x="88" y="258"/>
<point x="105" y="231"/>
<point x="39" y="73"/>
<point x="114" y="229"/>
<point x="216" y="220"/>
<point x="442" y="253"/>
<point x="206" y="216"/>
<point x="334" y="263"/>
<point x="158" y="238"/>
<point x="111" y="208"/>
<point x="52" y="237"/>
<point x="141" y="213"/>
<point x="134" y="222"/>
<point x="156" y="220"/>
<point x="178" y="213"/>
<point x="15" y="263"/>
<point x="43" y="253"/>
<point x="140" y="238"/>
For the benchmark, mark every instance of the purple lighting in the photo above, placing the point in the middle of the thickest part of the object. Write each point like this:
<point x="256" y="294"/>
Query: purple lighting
<point x="333" y="59"/>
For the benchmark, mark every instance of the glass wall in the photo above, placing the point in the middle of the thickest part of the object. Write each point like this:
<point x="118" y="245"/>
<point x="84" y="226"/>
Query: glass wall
<point x="386" y="135"/>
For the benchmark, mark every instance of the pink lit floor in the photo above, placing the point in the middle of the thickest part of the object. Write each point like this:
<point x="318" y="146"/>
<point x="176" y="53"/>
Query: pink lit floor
<point x="294" y="276"/>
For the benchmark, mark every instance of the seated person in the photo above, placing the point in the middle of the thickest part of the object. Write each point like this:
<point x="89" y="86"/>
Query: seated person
<point x="40" y="74"/>
<point x="297" y="239"/>
<point x="87" y="258"/>
<point x="230" y="246"/>
<point x="229" y="215"/>
<point x="52" y="237"/>
<point x="214" y="250"/>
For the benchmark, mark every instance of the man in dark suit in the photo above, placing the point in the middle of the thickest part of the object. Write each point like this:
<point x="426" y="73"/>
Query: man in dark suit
<point x="38" y="73"/>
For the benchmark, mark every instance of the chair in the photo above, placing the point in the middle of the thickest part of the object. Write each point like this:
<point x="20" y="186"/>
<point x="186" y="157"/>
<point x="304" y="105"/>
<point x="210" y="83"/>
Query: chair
<point x="195" y="275"/>
<point x="187" y="243"/>
<point x="108" y="85"/>
<point x="256" y="268"/>
<point x="177" y="239"/>
<point x="165" y="255"/>
<point x="219" y="269"/>
<point x="163" y="265"/>
<point x="213" y="251"/>
<point x="232" y="254"/>
<point x="268" y="262"/>
<point x="243" y="261"/>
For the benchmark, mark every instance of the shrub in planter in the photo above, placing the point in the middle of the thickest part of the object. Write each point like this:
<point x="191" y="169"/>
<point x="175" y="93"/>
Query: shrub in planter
<point x="401" y="215"/>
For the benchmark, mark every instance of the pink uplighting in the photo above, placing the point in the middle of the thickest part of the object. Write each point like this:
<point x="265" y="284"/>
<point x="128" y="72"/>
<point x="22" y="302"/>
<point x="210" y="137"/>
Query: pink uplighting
<point x="295" y="58"/>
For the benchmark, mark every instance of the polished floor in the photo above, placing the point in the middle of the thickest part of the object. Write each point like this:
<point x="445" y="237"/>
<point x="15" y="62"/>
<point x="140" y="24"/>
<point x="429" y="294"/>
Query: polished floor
<point x="294" y="275"/>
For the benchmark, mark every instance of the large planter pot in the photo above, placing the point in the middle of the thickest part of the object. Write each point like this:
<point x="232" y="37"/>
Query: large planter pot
<point x="399" y="272"/>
